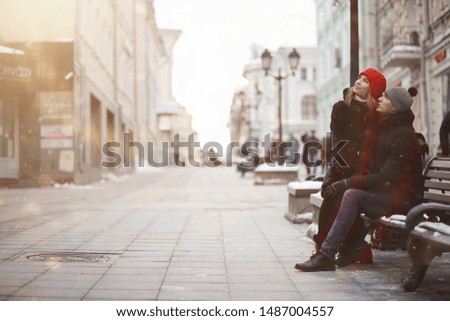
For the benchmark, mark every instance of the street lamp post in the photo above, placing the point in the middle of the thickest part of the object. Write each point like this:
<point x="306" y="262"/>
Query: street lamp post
<point x="354" y="42"/>
<point x="294" y="59"/>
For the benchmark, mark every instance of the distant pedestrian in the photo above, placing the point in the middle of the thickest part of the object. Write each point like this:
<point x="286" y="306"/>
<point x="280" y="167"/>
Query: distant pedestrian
<point x="312" y="154"/>
<point x="443" y="133"/>
<point x="293" y="155"/>
<point x="304" y="139"/>
<point x="325" y="154"/>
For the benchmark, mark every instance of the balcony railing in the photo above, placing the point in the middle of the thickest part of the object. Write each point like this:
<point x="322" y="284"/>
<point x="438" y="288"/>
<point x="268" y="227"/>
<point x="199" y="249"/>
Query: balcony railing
<point x="400" y="36"/>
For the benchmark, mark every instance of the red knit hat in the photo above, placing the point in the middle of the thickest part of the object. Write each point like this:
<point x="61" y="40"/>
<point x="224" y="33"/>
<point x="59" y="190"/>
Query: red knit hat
<point x="377" y="81"/>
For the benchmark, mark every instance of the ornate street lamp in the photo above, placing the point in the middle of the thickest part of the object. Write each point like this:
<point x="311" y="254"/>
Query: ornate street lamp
<point x="266" y="59"/>
<point x="294" y="60"/>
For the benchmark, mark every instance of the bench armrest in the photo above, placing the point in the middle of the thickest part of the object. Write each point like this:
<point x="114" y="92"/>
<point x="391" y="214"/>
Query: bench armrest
<point x="414" y="216"/>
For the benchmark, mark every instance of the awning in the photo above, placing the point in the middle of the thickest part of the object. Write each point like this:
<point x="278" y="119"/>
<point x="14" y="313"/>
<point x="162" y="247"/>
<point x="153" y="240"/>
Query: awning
<point x="10" y="51"/>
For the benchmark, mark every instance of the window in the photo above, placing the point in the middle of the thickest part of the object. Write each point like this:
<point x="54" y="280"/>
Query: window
<point x="414" y="38"/>
<point x="303" y="74"/>
<point x="338" y="58"/>
<point x="309" y="111"/>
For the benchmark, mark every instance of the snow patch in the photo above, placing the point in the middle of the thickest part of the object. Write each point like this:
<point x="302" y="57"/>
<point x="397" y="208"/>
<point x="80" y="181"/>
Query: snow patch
<point x="304" y="185"/>
<point x="110" y="177"/>
<point x="274" y="167"/>
<point x="73" y="186"/>
<point x="435" y="226"/>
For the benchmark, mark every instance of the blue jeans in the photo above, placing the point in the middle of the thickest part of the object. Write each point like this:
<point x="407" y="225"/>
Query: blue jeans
<point x="354" y="202"/>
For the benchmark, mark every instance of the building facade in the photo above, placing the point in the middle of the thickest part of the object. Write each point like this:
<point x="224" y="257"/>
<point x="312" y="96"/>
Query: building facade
<point x="407" y="40"/>
<point x="95" y="76"/>
<point x="333" y="48"/>
<point x="435" y="41"/>
<point x="172" y="118"/>
<point x="254" y="108"/>
<point x="399" y="48"/>
<point x="414" y="41"/>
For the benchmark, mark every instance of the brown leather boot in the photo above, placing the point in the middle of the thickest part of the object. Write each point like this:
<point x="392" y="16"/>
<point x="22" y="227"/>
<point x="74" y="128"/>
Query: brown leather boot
<point x="317" y="262"/>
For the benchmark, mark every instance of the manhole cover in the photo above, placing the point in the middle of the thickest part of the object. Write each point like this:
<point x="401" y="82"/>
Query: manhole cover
<point x="81" y="257"/>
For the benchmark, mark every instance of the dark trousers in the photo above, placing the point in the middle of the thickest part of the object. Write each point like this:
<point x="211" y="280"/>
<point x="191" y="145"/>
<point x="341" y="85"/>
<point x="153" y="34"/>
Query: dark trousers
<point x="354" y="202"/>
<point x="327" y="215"/>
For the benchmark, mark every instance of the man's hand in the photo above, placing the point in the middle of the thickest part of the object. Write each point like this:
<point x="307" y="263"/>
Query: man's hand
<point x="335" y="188"/>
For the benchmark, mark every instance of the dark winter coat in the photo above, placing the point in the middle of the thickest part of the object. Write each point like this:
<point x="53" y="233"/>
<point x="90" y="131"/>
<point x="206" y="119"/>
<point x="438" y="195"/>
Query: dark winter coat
<point x="397" y="165"/>
<point x="443" y="133"/>
<point x="358" y="126"/>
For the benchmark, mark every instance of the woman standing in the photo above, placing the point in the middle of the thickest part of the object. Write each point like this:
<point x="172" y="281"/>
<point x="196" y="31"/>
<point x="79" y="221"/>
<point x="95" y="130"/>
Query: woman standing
<point x="353" y="120"/>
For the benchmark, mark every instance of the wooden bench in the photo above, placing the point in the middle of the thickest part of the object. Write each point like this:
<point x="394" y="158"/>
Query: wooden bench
<point x="428" y="223"/>
<point x="424" y="231"/>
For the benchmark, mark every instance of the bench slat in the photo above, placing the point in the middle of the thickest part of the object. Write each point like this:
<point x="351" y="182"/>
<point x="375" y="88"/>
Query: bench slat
<point x="437" y="174"/>
<point x="440" y="163"/>
<point x="393" y="223"/>
<point x="437" y="185"/>
<point x="438" y="227"/>
<point x="441" y="198"/>
<point x="440" y="240"/>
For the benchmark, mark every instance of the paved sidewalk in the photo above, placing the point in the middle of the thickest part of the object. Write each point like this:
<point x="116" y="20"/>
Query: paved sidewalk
<point x="178" y="234"/>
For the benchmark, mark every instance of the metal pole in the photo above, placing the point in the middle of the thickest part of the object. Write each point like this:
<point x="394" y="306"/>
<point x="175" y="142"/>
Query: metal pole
<point x="354" y="42"/>
<point x="423" y="70"/>
<point x="280" y="126"/>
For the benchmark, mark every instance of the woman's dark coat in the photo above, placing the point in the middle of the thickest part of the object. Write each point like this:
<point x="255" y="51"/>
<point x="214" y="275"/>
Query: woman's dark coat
<point x="356" y="125"/>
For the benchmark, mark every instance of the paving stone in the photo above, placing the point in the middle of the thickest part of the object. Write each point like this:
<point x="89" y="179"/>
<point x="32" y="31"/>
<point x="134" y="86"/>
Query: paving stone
<point x="259" y="279"/>
<point x="265" y="296"/>
<point x="50" y="292"/>
<point x="183" y="234"/>
<point x="194" y="295"/>
<point x="111" y="284"/>
<point x="195" y="279"/>
<point x="218" y="287"/>
<point x="69" y="283"/>
<point x="262" y="287"/>
<point x="233" y="271"/>
<point x="8" y="290"/>
<point x="122" y="295"/>
<point x="132" y="278"/>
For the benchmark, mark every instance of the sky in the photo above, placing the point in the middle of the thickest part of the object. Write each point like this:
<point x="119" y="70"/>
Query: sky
<point x="215" y="45"/>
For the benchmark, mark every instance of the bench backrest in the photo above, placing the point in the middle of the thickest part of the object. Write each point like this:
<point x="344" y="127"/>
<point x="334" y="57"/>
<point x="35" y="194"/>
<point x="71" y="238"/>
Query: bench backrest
<point x="437" y="180"/>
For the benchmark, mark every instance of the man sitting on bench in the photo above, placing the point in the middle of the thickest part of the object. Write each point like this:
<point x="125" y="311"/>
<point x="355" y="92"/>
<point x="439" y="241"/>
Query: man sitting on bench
<point x="394" y="186"/>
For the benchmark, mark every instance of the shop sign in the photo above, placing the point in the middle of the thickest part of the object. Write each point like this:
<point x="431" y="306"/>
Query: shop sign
<point x="55" y="104"/>
<point x="67" y="161"/>
<point x="15" y="69"/>
<point x="15" y="73"/>
<point x="56" y="136"/>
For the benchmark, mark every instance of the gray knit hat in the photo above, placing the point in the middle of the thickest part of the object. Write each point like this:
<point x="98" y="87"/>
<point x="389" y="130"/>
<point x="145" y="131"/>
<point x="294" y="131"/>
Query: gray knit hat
<point x="401" y="98"/>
